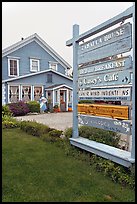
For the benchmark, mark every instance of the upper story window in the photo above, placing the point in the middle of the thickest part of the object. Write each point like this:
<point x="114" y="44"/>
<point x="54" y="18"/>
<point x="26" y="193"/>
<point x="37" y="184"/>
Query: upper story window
<point x="34" y="65"/>
<point x="53" y="65"/>
<point x="13" y="67"/>
<point x="49" y="78"/>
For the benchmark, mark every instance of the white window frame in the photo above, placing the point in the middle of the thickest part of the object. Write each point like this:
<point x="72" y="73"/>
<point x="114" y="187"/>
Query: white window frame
<point x="37" y="60"/>
<point x="9" y="59"/>
<point x="53" y="64"/>
<point x="42" y="93"/>
<point x="9" y="85"/>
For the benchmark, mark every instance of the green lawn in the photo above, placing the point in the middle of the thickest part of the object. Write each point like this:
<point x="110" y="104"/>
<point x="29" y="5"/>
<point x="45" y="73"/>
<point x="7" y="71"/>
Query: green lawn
<point x="34" y="171"/>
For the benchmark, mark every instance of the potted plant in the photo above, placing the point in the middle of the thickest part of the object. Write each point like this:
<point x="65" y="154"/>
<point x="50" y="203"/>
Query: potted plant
<point x="56" y="108"/>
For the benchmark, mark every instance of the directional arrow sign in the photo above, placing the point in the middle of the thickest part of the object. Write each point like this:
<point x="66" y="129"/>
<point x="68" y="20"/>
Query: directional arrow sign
<point x="106" y="79"/>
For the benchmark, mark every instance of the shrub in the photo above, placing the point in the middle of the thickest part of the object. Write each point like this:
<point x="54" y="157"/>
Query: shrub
<point x="33" y="106"/>
<point x="96" y="134"/>
<point x="48" y="138"/>
<point x="55" y="133"/>
<point x="34" y="128"/>
<point x="6" y="111"/>
<point x="68" y="132"/>
<point x="18" y="109"/>
<point x="9" y="122"/>
<point x="123" y="175"/>
<point x="85" y="101"/>
<point x="100" y="135"/>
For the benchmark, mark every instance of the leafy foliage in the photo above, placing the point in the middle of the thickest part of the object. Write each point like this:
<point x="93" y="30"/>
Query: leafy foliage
<point x="33" y="106"/>
<point x="9" y="122"/>
<point x="34" y="128"/>
<point x="100" y="135"/>
<point x="85" y="101"/>
<point x="19" y="109"/>
<point x="6" y="111"/>
<point x="124" y="176"/>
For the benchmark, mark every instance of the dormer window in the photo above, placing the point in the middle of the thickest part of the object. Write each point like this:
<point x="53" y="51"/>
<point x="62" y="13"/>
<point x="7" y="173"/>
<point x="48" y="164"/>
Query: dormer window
<point x="13" y="67"/>
<point x="53" y="65"/>
<point x="34" y="65"/>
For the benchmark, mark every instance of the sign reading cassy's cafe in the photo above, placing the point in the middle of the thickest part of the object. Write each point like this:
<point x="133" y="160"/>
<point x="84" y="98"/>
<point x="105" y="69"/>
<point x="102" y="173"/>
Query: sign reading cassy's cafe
<point x="114" y="42"/>
<point x="106" y="79"/>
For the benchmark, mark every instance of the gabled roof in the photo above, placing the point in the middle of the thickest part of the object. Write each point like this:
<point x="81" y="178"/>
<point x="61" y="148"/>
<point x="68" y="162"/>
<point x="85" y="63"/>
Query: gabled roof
<point x="57" y="86"/>
<point x="35" y="37"/>
<point x="33" y="74"/>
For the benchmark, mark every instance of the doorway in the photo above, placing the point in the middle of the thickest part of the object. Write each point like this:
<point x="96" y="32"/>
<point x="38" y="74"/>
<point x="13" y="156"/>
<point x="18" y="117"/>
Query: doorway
<point x="62" y="100"/>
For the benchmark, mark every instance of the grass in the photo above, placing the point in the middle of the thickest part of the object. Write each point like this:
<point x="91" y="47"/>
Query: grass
<point x="38" y="171"/>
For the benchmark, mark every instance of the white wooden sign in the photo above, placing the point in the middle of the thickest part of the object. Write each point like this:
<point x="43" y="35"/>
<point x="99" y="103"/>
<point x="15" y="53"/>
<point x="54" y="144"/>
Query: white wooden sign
<point x="111" y="94"/>
<point x="114" y="42"/>
<point x="109" y="65"/>
<point x="106" y="79"/>
<point x="105" y="123"/>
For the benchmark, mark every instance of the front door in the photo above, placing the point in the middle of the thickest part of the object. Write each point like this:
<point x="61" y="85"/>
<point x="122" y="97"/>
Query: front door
<point x="62" y="100"/>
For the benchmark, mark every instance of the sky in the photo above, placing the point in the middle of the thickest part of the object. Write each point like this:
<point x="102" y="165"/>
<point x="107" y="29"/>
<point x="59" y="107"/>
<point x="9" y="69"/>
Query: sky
<point x="53" y="21"/>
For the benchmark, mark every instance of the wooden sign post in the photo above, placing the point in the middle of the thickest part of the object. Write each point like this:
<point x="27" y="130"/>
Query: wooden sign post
<point x="98" y="73"/>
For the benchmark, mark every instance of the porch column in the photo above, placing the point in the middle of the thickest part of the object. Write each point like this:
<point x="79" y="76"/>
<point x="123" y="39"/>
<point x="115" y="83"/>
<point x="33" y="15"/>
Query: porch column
<point x="32" y="93"/>
<point x="53" y="98"/>
<point x="58" y="99"/>
<point x="20" y="92"/>
<point x="67" y="99"/>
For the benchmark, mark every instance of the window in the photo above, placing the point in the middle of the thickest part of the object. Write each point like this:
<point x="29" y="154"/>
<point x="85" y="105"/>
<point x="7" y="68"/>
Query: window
<point x="53" y="65"/>
<point x="26" y="93"/>
<point x="34" y="65"/>
<point x="49" y="78"/>
<point x="13" y="67"/>
<point x="37" y="93"/>
<point x="13" y="94"/>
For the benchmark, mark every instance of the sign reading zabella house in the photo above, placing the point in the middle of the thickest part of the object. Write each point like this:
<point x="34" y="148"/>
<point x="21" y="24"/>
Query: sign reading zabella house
<point x="111" y="43"/>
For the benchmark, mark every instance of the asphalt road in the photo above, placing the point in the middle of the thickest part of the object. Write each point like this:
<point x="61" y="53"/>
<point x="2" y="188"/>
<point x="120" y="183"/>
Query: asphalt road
<point x="60" y="121"/>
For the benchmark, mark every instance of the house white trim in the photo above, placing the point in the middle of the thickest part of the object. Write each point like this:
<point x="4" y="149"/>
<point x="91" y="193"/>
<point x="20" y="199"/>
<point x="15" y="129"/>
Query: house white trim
<point x="15" y="59"/>
<point x="40" y="72"/>
<point x="38" y="65"/>
<point x="41" y="42"/>
<point x="58" y="87"/>
<point x="3" y="94"/>
<point x="52" y="64"/>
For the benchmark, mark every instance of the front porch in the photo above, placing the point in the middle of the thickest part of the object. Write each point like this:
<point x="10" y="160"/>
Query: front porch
<point x="59" y="95"/>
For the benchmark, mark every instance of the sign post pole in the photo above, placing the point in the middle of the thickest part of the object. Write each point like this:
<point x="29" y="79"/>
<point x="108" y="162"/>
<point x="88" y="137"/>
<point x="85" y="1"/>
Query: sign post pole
<point x="133" y="92"/>
<point x="75" y="80"/>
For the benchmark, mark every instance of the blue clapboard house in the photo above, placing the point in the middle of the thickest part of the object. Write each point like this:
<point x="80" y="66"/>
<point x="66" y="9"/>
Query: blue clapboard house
<point x="31" y="69"/>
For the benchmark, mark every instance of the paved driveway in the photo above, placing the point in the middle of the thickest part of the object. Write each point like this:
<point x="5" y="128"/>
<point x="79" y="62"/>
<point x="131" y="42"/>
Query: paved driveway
<point x="59" y="121"/>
